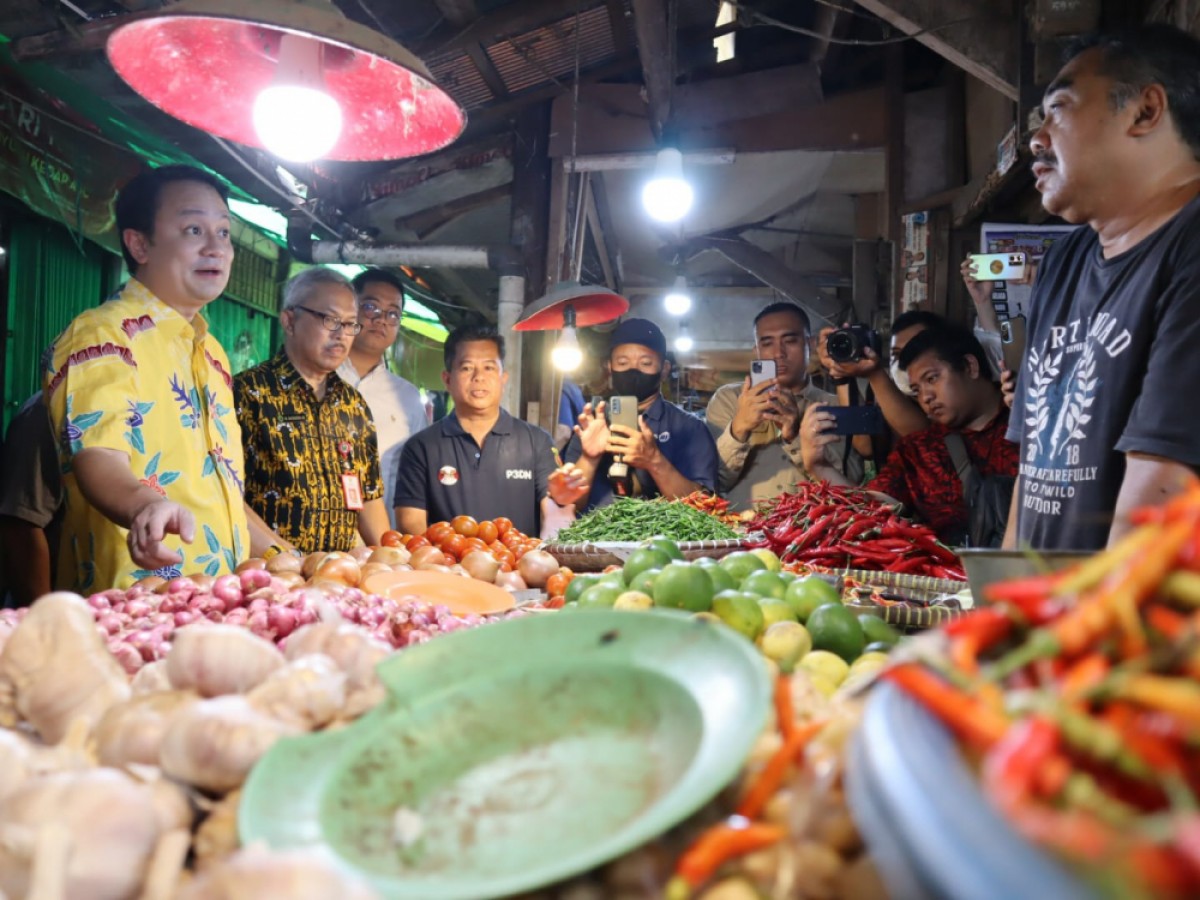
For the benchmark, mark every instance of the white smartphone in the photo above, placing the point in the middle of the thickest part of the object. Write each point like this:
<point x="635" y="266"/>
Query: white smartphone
<point x="999" y="266"/>
<point x="761" y="370"/>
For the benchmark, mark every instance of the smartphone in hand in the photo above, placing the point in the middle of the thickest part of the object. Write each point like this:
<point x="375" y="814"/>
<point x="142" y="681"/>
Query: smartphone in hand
<point x="999" y="266"/>
<point x="623" y="410"/>
<point x="761" y="370"/>
<point x="850" y="420"/>
<point x="1012" y="342"/>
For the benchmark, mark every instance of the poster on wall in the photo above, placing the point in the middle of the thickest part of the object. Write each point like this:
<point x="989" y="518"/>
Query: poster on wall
<point x="1012" y="299"/>
<point x="914" y="262"/>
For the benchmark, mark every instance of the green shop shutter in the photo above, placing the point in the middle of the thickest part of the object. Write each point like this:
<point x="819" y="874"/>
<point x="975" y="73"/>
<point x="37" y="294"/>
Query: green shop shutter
<point x="52" y="278"/>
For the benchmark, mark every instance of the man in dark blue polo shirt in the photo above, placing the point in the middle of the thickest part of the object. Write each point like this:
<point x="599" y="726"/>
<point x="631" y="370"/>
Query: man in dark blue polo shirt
<point x="671" y="455"/>
<point x="479" y="460"/>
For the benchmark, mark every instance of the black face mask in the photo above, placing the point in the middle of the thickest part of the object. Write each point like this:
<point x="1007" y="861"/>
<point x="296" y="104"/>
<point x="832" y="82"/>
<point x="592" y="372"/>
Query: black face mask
<point x="642" y="385"/>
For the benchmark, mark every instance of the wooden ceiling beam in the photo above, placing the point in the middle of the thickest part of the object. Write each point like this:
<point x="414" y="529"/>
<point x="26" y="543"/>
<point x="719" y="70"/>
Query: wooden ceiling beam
<point x="508" y="21"/>
<point x="426" y="221"/>
<point x="654" y="50"/>
<point x="458" y="12"/>
<point x="487" y="69"/>
<point x="983" y="44"/>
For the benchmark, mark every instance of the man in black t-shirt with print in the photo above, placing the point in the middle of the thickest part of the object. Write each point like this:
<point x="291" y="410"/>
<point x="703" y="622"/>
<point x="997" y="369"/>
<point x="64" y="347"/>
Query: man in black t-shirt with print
<point x="1102" y="408"/>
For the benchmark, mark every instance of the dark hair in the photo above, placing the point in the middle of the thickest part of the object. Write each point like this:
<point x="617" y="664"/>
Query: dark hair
<point x="137" y="203"/>
<point x="916" y="317"/>
<point x="1151" y="54"/>
<point x="784" y="307"/>
<point x="380" y="276"/>
<point x="464" y="334"/>
<point x="952" y="344"/>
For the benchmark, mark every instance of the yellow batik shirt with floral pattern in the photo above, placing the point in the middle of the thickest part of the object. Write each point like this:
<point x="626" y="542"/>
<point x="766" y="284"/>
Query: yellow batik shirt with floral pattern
<point x="297" y="449"/>
<point x="134" y="375"/>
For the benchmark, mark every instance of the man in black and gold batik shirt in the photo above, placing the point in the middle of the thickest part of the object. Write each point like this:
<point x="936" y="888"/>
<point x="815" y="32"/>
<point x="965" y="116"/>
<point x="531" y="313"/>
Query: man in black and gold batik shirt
<point x="312" y="463"/>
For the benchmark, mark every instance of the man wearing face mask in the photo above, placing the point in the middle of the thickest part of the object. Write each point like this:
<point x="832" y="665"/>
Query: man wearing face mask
<point x="671" y="454"/>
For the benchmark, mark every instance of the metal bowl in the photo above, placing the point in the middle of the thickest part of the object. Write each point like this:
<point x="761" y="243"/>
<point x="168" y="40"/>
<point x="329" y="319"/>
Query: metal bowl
<point x="986" y="567"/>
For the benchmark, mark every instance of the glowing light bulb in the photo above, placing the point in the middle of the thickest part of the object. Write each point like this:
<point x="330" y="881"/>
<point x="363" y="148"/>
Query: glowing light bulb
<point x="666" y="196"/>
<point x="566" y="355"/>
<point x="684" y="342"/>
<point x="678" y="301"/>
<point x="295" y="118"/>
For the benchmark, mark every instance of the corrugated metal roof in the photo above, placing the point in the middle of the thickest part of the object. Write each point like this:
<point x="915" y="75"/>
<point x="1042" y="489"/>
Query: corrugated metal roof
<point x="538" y="56"/>
<point x="457" y="74"/>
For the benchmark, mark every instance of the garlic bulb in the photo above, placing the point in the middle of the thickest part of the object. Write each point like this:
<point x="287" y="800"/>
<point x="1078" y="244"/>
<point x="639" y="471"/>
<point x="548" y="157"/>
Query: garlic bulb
<point x="55" y="668"/>
<point x="111" y="825"/>
<point x="356" y="653"/>
<point x="22" y="759"/>
<point x="220" y="659"/>
<point x="258" y="874"/>
<point x="150" y="678"/>
<point x="131" y="732"/>
<point x="217" y="836"/>
<point x="213" y="744"/>
<point x="307" y="692"/>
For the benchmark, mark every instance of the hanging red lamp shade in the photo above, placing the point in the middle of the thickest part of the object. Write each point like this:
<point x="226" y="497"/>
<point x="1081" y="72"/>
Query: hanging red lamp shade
<point x="206" y="62"/>
<point x="592" y="305"/>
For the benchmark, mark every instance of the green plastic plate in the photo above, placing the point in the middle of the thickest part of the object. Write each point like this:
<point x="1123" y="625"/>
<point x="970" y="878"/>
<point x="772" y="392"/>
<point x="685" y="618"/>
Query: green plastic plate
<point x="525" y="752"/>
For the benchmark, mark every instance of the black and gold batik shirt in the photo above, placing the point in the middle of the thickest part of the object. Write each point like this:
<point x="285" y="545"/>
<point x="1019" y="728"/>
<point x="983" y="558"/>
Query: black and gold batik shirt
<point x="297" y="449"/>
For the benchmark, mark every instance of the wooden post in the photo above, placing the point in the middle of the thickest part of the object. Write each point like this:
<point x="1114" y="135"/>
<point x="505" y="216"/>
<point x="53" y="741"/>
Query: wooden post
<point x="530" y="219"/>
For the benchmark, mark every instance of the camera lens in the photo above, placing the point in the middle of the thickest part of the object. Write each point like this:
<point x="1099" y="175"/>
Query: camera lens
<point x="842" y="346"/>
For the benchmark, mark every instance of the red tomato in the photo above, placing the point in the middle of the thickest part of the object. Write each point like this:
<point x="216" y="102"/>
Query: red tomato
<point x="416" y="542"/>
<point x="475" y="544"/>
<point x="487" y="532"/>
<point x="557" y="583"/>
<point x="503" y="525"/>
<point x="391" y="539"/>
<point x="438" y="532"/>
<point x="455" y="545"/>
<point x="465" y="525"/>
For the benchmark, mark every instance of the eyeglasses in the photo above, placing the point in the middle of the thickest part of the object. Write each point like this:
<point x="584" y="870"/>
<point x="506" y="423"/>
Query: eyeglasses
<point x="332" y="323"/>
<point x="373" y="312"/>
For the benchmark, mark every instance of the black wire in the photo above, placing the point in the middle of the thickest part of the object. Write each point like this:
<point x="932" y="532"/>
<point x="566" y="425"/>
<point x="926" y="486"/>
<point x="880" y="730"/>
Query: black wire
<point x="764" y="19"/>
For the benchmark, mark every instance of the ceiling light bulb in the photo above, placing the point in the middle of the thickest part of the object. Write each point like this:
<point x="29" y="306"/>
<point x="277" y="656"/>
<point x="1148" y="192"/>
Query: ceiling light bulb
<point x="295" y="118"/>
<point x="684" y="343"/>
<point x="566" y="355"/>
<point x="667" y="197"/>
<point x="678" y="301"/>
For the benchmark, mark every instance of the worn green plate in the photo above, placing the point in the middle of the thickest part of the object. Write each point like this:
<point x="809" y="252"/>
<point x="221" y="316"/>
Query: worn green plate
<point x="531" y="750"/>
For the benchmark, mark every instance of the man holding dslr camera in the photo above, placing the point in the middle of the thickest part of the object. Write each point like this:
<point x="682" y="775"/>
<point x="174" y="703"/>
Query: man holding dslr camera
<point x="964" y="439"/>
<point x="756" y="424"/>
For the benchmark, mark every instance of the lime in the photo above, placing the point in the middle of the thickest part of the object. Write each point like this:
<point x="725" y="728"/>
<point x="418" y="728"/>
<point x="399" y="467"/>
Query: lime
<point x="600" y="595"/>
<point x="807" y="593"/>
<point x="872" y="661"/>
<point x="824" y="686"/>
<point x="785" y="643"/>
<point x="765" y="584"/>
<point x="741" y="564"/>
<point x="681" y="586"/>
<point x="707" y="617"/>
<point x="833" y="627"/>
<point x="617" y="578"/>
<point x="878" y="631"/>
<point x="644" y="581"/>
<point x="722" y="580"/>
<point x="776" y="610"/>
<point x="877" y="647"/>
<point x="770" y="560"/>
<point x="666" y="545"/>
<point x="823" y="664"/>
<point x="634" y="601"/>
<point x="642" y="559"/>
<point x="706" y="561"/>
<point x="740" y="611"/>
<point x="578" y="585"/>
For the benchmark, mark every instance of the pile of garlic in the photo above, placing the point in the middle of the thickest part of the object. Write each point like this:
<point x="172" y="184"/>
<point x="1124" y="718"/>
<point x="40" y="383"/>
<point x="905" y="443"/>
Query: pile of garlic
<point x="102" y="782"/>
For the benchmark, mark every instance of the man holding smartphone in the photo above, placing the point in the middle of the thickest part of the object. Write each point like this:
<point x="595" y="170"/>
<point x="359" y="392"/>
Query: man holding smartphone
<point x="666" y="451"/>
<point x="756" y="424"/>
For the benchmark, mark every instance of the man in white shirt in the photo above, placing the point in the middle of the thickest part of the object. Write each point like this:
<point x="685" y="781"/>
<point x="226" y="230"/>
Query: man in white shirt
<point x="395" y="404"/>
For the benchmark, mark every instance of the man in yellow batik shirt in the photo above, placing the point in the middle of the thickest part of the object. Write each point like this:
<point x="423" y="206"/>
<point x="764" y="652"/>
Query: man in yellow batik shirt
<point x="141" y="400"/>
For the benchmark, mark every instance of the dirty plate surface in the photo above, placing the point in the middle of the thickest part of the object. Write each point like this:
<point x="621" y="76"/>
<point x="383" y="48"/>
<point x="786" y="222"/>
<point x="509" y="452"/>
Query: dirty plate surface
<point x="518" y="754"/>
<point x="462" y="596"/>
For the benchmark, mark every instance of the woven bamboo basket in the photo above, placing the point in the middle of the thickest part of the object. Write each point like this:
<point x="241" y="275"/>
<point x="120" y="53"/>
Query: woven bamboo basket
<point x="592" y="557"/>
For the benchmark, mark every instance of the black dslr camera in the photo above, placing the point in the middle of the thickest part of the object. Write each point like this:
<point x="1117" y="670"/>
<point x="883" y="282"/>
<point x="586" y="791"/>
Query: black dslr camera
<point x="846" y="345"/>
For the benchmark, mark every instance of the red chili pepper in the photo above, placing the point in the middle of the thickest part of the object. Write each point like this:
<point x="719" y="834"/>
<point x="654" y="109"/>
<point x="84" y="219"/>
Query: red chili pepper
<point x="1011" y="766"/>
<point x="977" y="724"/>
